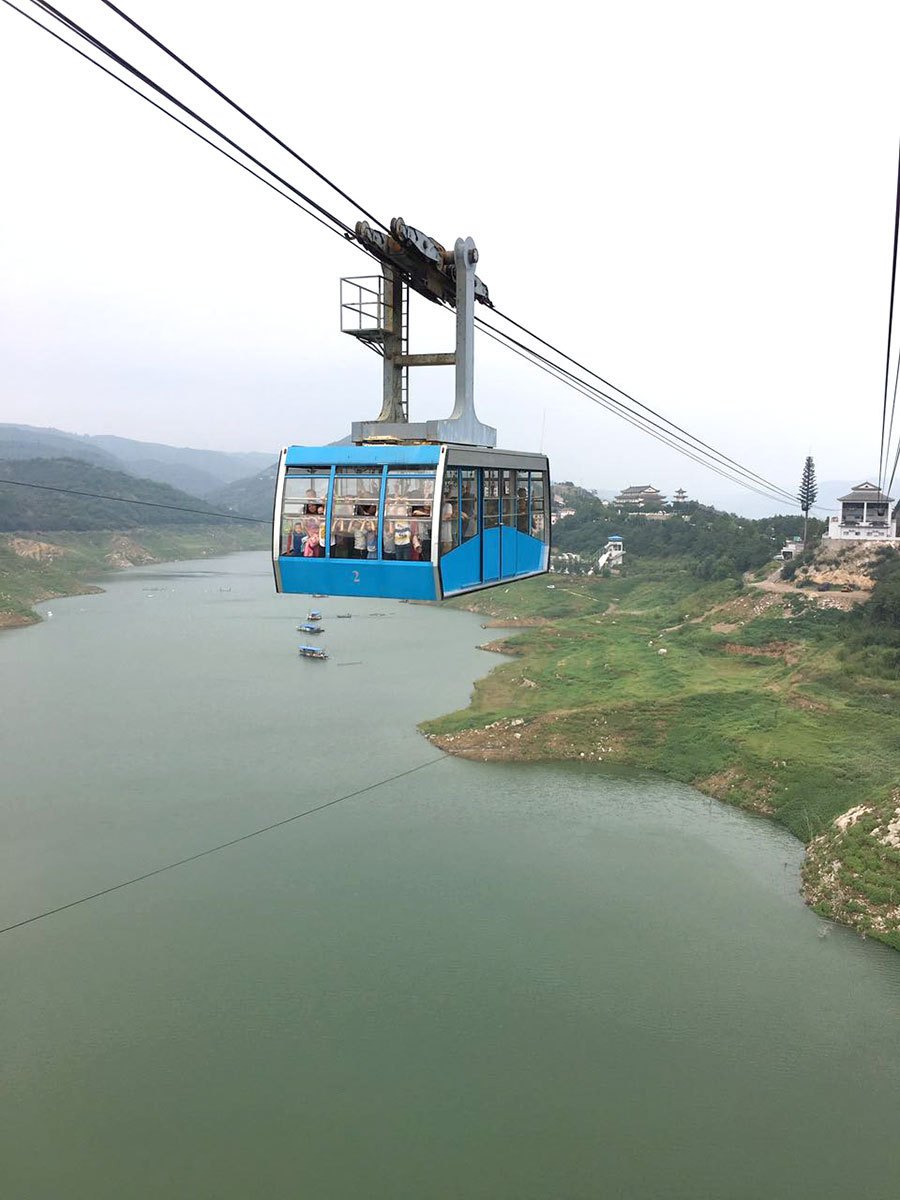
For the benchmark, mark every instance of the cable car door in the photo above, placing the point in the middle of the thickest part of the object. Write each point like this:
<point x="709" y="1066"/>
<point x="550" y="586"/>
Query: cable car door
<point x="490" y="541"/>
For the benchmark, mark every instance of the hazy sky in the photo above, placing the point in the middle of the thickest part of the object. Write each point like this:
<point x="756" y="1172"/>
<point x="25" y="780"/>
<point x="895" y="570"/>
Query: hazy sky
<point x="695" y="199"/>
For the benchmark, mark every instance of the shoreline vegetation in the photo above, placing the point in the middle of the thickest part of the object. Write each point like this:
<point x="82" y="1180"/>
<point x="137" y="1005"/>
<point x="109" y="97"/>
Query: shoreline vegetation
<point x="35" y="567"/>
<point x="745" y="690"/>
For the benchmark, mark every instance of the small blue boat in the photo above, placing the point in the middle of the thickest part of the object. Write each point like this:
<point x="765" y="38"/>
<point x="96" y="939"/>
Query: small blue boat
<point x="312" y="652"/>
<point x="314" y="615"/>
<point x="310" y="628"/>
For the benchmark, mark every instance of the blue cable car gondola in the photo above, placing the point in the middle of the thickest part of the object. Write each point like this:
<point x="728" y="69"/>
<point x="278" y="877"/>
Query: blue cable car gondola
<point x="411" y="511"/>
<point x="410" y="522"/>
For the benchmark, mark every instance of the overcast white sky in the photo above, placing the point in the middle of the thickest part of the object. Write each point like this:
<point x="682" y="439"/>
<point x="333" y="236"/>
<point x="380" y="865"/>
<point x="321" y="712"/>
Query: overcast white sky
<point x="695" y="199"/>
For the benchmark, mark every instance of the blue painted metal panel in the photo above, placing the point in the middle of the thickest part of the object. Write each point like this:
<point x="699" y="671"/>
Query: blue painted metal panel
<point x="531" y="554"/>
<point x="461" y="568"/>
<point x="508" y="555"/>
<point x="490" y="556"/>
<point x="358" y="577"/>
<point x="362" y="456"/>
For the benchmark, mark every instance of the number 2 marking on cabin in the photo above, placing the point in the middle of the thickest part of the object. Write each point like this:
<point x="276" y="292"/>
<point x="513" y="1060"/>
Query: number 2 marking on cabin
<point x="356" y="576"/>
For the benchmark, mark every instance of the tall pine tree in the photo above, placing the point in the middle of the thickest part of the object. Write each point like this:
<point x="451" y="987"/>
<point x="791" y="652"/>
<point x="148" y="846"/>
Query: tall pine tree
<point x="808" y="492"/>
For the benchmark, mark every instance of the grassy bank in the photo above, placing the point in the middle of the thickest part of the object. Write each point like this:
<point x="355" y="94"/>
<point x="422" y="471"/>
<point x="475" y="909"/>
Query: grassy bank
<point x="36" y="567"/>
<point x="746" y="694"/>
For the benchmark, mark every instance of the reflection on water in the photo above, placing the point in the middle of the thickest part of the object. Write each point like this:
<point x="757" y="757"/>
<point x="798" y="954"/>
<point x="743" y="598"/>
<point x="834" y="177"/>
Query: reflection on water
<point x="477" y="981"/>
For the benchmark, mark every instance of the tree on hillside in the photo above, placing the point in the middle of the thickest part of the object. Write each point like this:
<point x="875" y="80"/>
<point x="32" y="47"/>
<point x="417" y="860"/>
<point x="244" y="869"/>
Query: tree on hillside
<point x="808" y="492"/>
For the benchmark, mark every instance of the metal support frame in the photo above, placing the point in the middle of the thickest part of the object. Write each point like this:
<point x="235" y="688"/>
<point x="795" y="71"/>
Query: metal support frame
<point x="394" y="313"/>
<point x="392" y="424"/>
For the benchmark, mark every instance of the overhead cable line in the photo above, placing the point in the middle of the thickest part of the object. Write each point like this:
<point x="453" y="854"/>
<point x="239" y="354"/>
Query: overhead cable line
<point x="759" y="478"/>
<point x="639" y="421"/>
<point x="887" y="490"/>
<point x="222" y="95"/>
<point x="882" y="462"/>
<point x="703" y="449"/>
<point x="71" y="25"/>
<point x="634" y="419"/>
<point x="203" y="512"/>
<point x="178" y="121"/>
<point x="890" y="434"/>
<point x="181" y="862"/>
<point x="890" y="482"/>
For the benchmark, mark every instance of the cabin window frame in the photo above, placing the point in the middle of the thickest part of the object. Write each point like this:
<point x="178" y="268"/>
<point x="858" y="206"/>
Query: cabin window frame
<point x="351" y="472"/>
<point x="399" y="472"/>
<point x="302" y="475"/>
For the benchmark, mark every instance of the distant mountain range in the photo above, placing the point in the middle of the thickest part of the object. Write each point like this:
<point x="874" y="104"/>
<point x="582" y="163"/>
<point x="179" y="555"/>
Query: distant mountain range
<point x="245" y="482"/>
<point x="200" y="473"/>
<point x="253" y="497"/>
<point x="177" y="477"/>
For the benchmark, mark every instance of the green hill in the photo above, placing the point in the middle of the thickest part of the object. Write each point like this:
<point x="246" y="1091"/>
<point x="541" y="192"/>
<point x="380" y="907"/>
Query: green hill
<point x="718" y="545"/>
<point x="32" y="509"/>
<point x="254" y="496"/>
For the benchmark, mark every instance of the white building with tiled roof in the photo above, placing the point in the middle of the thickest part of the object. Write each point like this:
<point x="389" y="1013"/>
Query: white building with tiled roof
<point x="865" y="515"/>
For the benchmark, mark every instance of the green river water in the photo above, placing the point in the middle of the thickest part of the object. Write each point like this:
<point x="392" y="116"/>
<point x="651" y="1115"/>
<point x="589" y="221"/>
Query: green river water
<point x="477" y="981"/>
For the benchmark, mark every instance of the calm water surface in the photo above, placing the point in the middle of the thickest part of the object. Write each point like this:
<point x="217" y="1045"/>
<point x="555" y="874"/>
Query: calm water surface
<point x="474" y="981"/>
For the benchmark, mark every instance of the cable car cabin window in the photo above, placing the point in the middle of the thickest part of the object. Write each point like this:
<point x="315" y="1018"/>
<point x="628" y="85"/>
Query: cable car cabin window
<point x="450" y="510"/>
<point x="539" y="527"/>
<point x="354" y="512"/>
<point x="491" y="502"/>
<point x="523" y="523"/>
<point x="408" y="514"/>
<point x="411" y="483"/>
<point x="303" y="512"/>
<point x="508" y="505"/>
<point x="468" y="503"/>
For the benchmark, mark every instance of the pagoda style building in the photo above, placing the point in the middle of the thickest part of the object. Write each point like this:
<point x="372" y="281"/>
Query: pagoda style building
<point x="680" y="497"/>
<point x="640" y="496"/>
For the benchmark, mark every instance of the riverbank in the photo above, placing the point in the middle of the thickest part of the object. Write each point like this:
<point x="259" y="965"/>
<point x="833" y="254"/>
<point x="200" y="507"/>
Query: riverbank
<point x="35" y="567"/>
<point x="743" y="694"/>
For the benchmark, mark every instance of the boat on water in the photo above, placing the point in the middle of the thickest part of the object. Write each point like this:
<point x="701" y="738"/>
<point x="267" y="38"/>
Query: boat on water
<point x="344" y="616"/>
<point x="314" y="615"/>
<point x="309" y="627"/>
<point x="312" y="652"/>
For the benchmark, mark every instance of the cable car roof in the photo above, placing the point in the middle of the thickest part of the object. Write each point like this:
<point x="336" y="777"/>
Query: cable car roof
<point x="427" y="455"/>
<point x="412" y="454"/>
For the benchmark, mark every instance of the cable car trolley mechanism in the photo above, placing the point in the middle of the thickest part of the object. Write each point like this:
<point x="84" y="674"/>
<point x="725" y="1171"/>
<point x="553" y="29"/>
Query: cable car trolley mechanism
<point x="411" y="510"/>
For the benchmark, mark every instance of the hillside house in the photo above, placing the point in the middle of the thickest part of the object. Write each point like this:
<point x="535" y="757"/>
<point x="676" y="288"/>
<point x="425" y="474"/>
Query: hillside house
<point x="558" y="513"/>
<point x="865" y="514"/>
<point x="640" y="496"/>
<point x="790" y="549"/>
